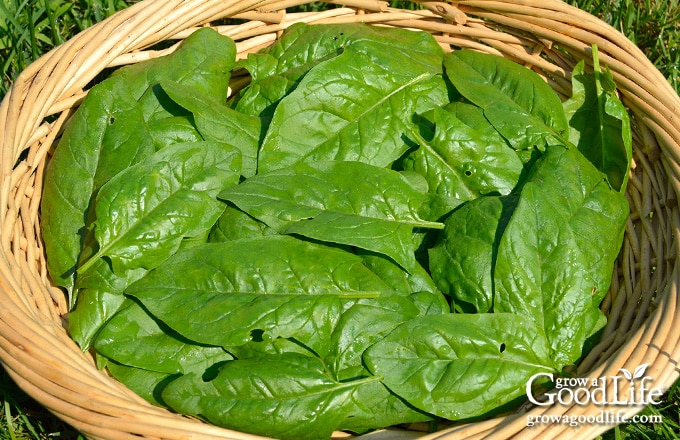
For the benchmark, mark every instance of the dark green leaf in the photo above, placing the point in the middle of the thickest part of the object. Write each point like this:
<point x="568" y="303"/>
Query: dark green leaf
<point x="132" y="337"/>
<point x="106" y="135"/>
<point x="461" y="162"/>
<point x="217" y="122"/>
<point x="600" y="125"/>
<point x="144" y="212"/>
<point x="518" y="102"/>
<point x="353" y="107"/>
<point x="462" y="261"/>
<point x="203" y="61"/>
<point x="350" y="203"/>
<point x="269" y="287"/>
<point x="460" y="366"/>
<point x="556" y="256"/>
<point x="286" y="396"/>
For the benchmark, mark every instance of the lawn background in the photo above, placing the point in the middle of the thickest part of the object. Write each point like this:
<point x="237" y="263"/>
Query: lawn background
<point x="29" y="28"/>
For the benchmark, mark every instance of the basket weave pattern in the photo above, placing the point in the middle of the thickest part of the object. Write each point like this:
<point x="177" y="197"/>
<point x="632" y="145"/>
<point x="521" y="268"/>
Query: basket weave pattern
<point x="546" y="35"/>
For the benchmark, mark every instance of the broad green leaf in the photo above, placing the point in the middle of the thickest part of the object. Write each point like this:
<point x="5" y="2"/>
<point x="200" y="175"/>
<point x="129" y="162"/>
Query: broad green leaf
<point x="173" y="130"/>
<point x="350" y="203"/>
<point x="100" y="296"/>
<point x="353" y="107"/>
<point x="396" y="277"/>
<point x="106" y="135"/>
<point x="132" y="337"/>
<point x="285" y="396"/>
<point x="599" y="123"/>
<point x="518" y="102"/>
<point x="460" y="366"/>
<point x="269" y="287"/>
<point x="109" y="132"/>
<point x="145" y="383"/>
<point x="235" y="224"/>
<point x="362" y="325"/>
<point x="556" y="255"/>
<point x="460" y="161"/>
<point x="144" y="212"/>
<point x="462" y="261"/>
<point x="375" y="407"/>
<point x="217" y="122"/>
<point x="203" y="61"/>
<point x="278" y="70"/>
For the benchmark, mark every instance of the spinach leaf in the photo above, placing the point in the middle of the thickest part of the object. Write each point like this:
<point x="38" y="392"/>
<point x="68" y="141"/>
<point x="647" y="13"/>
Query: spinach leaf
<point x="461" y="162"/>
<point x="518" y="102"/>
<point x="276" y="72"/>
<point x="217" y="122"/>
<point x="144" y="212"/>
<point x="288" y="396"/>
<point x="374" y="407"/>
<point x="462" y="261"/>
<point x="203" y="61"/>
<point x="229" y="293"/>
<point x="354" y="107"/>
<point x="556" y="255"/>
<point x="599" y="122"/>
<point x="460" y="366"/>
<point x="105" y="136"/>
<point x="100" y="296"/>
<point x="173" y="130"/>
<point x="235" y="224"/>
<point x="350" y="203"/>
<point x="109" y="133"/>
<point x="145" y="383"/>
<point x="362" y="325"/>
<point x="132" y="337"/>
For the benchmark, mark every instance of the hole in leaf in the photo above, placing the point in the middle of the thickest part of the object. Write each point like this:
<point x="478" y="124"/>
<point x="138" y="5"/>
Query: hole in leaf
<point x="502" y="347"/>
<point x="112" y="119"/>
<point x="257" y="335"/>
<point x="468" y="173"/>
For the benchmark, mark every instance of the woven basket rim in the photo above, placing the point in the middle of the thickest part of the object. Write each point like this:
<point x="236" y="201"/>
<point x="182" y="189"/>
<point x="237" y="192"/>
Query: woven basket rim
<point x="545" y="35"/>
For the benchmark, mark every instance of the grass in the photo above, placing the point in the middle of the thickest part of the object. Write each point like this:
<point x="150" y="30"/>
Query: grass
<point x="29" y="28"/>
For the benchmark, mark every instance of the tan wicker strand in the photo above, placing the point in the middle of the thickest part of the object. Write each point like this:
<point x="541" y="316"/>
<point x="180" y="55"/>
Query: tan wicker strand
<point x="549" y="36"/>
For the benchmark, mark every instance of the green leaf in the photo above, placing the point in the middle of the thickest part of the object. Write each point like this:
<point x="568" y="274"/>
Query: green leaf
<point x="144" y="212"/>
<point x="100" y="296"/>
<point x="462" y="261"/>
<point x="145" y="383"/>
<point x="375" y="407"/>
<point x="106" y="135"/>
<point x="229" y="293"/>
<point x="278" y="71"/>
<point x="235" y="224"/>
<point x="353" y="107"/>
<point x="362" y="325"/>
<point x="173" y="130"/>
<point x="460" y="366"/>
<point x="286" y="396"/>
<point x="556" y="256"/>
<point x="599" y="122"/>
<point x="518" y="102"/>
<point x="109" y="133"/>
<point x="350" y="203"/>
<point x="217" y="122"/>
<point x="203" y="61"/>
<point x="132" y="337"/>
<point x="462" y="162"/>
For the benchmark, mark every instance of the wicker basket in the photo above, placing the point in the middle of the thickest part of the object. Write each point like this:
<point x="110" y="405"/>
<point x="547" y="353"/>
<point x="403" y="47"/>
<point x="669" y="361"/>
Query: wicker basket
<point x="546" y="35"/>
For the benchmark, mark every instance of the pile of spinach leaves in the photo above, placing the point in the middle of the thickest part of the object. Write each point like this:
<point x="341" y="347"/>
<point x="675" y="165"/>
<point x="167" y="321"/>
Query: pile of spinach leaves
<point x="372" y="232"/>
